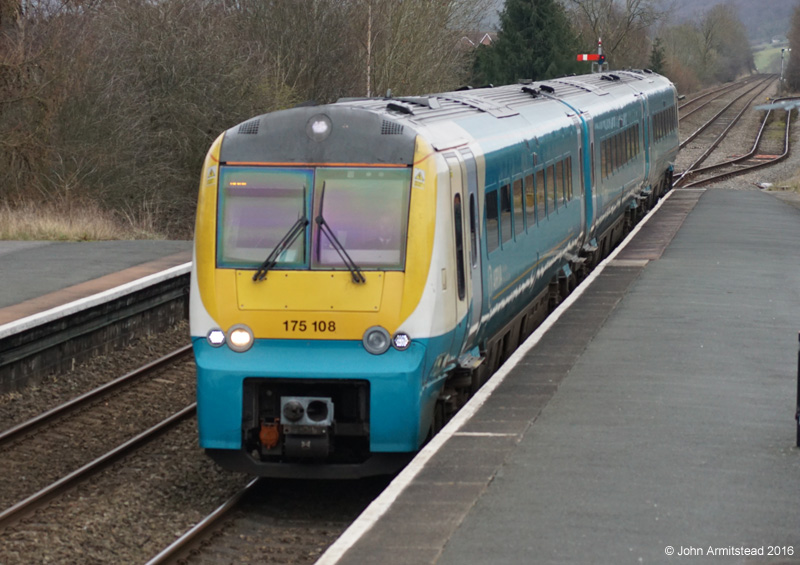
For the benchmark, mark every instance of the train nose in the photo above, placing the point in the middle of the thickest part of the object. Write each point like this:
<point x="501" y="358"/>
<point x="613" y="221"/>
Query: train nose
<point x="293" y="411"/>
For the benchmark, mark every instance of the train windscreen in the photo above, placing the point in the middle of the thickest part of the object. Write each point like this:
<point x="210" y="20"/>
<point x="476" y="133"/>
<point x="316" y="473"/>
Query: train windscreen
<point x="365" y="209"/>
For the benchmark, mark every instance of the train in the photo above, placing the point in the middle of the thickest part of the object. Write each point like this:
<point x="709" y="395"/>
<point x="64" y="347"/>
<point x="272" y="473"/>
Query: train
<point x="361" y="267"/>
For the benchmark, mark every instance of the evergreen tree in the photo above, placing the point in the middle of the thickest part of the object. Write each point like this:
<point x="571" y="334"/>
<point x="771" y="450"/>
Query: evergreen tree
<point x="535" y="42"/>
<point x="657" y="57"/>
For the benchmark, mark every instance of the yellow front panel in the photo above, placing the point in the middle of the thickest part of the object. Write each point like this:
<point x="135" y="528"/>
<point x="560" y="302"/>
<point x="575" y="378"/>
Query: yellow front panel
<point x="317" y="304"/>
<point x="309" y="291"/>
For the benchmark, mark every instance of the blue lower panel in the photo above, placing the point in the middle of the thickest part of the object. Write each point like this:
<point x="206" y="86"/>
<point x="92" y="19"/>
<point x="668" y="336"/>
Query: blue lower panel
<point x="396" y="386"/>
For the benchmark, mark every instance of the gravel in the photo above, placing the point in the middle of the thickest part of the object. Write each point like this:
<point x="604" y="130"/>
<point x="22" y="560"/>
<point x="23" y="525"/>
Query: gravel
<point x="19" y="406"/>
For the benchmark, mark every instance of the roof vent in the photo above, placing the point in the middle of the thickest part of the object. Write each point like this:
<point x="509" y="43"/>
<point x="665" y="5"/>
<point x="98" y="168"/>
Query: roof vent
<point x="250" y="127"/>
<point x="391" y="128"/>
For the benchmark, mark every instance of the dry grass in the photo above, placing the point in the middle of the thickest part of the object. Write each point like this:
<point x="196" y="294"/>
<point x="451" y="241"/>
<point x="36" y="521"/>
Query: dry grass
<point x="76" y="222"/>
<point x="788" y="185"/>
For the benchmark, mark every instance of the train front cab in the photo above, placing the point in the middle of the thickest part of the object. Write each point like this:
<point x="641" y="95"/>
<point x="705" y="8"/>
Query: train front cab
<point x="307" y="398"/>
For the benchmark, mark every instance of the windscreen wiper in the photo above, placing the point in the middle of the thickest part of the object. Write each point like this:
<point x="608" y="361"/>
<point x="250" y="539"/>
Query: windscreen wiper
<point x="355" y="272"/>
<point x="284" y="244"/>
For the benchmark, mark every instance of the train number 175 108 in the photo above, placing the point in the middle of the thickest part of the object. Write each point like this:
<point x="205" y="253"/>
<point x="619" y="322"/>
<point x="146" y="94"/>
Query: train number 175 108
<point x="318" y="326"/>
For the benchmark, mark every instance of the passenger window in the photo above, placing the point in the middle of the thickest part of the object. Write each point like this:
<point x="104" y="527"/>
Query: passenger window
<point x="519" y="207"/>
<point x="561" y="196"/>
<point x="551" y="189"/>
<point x="492" y="222"/>
<point x="541" y="206"/>
<point x="505" y="212"/>
<point x="530" y="201"/>
<point x="568" y="178"/>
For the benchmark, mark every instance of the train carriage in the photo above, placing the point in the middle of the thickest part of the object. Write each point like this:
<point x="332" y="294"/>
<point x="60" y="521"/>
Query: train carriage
<point x="360" y="265"/>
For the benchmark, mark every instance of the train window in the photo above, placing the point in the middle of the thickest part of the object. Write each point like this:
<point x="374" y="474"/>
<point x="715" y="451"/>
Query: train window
<point x="591" y="166"/>
<point x="604" y="159"/>
<point x="257" y="207"/>
<point x="568" y="178"/>
<point x="541" y="206"/>
<point x="367" y="211"/>
<point x="561" y="196"/>
<point x="492" y="222"/>
<point x="551" y="189"/>
<point x="505" y="212"/>
<point x="612" y="155"/>
<point x="458" y="222"/>
<point x="473" y="231"/>
<point x="638" y="143"/>
<point x="530" y="201"/>
<point x="628" y="145"/>
<point x="621" y="149"/>
<point x="519" y="207"/>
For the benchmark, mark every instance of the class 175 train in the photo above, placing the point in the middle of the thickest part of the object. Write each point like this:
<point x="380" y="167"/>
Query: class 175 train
<point x="361" y="267"/>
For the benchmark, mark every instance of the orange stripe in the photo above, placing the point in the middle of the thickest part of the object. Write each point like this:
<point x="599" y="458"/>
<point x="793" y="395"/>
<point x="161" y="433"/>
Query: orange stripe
<point x="423" y="159"/>
<point x="371" y="165"/>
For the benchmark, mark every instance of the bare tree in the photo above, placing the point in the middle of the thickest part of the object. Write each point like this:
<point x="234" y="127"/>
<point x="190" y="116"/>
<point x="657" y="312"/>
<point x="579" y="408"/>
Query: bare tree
<point x="622" y="24"/>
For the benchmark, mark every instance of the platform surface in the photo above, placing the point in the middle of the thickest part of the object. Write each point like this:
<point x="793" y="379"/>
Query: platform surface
<point x="36" y="276"/>
<point x="654" y="419"/>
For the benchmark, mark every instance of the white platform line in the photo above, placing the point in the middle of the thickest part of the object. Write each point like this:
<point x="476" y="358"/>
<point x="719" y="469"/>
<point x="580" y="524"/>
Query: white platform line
<point x="88" y="302"/>
<point x="381" y="505"/>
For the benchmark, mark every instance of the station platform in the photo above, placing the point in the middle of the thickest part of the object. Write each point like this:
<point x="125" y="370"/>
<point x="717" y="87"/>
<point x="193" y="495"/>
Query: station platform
<point x="649" y="420"/>
<point x="37" y="276"/>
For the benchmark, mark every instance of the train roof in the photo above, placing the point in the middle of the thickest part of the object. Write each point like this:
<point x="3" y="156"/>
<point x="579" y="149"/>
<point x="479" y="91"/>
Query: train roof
<point x="383" y="130"/>
<point x="505" y="101"/>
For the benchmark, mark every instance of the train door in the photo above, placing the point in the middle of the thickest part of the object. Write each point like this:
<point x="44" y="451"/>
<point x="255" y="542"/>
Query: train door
<point x="470" y="170"/>
<point x="646" y="135"/>
<point x="461" y="245"/>
<point x="588" y="175"/>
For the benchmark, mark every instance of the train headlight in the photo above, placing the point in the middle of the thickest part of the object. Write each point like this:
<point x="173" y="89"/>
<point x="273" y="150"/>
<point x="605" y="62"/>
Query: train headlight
<point x="216" y="337"/>
<point x="401" y="341"/>
<point x="240" y="338"/>
<point x="376" y="340"/>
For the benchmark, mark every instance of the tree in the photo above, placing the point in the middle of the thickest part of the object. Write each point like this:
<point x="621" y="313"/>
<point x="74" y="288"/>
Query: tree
<point x="657" y="57"/>
<point x="413" y="46"/>
<point x="792" y="71"/>
<point x="622" y="24"/>
<point x="535" y="42"/>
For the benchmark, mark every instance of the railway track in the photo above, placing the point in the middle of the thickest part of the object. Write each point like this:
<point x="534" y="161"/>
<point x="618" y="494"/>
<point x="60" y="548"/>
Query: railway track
<point x="705" y="142"/>
<point x="702" y="101"/>
<point x="62" y="499"/>
<point x="274" y="522"/>
<point x="75" y="440"/>
<point x="765" y="152"/>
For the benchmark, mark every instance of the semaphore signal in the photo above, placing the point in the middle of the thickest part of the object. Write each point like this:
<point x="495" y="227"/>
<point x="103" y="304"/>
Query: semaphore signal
<point x="598" y="59"/>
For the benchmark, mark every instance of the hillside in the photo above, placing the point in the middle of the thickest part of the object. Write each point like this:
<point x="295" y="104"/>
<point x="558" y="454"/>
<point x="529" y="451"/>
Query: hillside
<point x="762" y="24"/>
